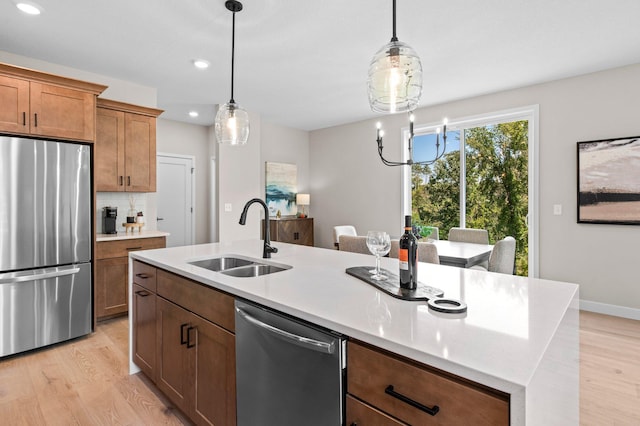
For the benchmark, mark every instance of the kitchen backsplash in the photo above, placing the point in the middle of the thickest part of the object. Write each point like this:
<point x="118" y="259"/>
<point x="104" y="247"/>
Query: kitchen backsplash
<point x="122" y="201"/>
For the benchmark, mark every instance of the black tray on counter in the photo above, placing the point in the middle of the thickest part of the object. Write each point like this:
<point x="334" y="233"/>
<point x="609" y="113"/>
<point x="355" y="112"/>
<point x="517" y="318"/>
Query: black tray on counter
<point x="391" y="285"/>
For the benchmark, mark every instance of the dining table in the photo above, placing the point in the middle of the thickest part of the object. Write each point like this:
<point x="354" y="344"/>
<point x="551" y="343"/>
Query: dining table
<point x="462" y="254"/>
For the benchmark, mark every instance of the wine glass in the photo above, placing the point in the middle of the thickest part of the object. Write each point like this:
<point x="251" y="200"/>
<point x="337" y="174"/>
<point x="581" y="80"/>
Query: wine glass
<point x="379" y="244"/>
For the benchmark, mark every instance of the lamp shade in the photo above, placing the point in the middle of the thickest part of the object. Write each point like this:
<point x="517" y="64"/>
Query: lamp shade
<point x="395" y="79"/>
<point x="232" y="124"/>
<point x="303" y="199"/>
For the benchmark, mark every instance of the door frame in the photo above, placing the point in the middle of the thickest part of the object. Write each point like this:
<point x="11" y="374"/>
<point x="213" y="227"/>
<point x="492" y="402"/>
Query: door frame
<point x="529" y="113"/>
<point x="191" y="158"/>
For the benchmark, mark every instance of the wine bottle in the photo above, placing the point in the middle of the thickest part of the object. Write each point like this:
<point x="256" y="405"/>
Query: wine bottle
<point x="408" y="257"/>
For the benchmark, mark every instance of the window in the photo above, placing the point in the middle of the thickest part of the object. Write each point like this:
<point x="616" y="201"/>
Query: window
<point x="483" y="180"/>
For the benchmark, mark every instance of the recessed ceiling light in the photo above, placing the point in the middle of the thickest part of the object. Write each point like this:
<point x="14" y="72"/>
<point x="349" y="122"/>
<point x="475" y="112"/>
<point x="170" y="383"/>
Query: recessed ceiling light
<point x="193" y="114"/>
<point x="201" y="63"/>
<point x="29" y="8"/>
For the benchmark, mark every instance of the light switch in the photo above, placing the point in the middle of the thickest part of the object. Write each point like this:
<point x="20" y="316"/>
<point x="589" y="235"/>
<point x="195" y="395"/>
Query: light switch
<point x="557" y="209"/>
<point x="227" y="207"/>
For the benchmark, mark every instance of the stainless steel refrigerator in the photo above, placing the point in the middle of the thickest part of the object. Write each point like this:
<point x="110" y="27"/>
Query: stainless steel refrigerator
<point x="45" y="243"/>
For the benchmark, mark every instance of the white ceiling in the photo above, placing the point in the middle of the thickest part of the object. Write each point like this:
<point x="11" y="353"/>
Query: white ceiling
<point x="303" y="63"/>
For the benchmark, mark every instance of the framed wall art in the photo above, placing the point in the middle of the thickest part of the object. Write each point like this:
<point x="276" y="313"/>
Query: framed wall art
<point x="609" y="181"/>
<point x="281" y="188"/>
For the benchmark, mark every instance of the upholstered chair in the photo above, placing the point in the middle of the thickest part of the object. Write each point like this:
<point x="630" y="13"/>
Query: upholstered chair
<point x="342" y="230"/>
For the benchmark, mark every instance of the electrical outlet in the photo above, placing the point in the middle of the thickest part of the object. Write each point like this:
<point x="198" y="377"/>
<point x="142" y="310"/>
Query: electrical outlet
<point x="227" y="207"/>
<point x="557" y="209"/>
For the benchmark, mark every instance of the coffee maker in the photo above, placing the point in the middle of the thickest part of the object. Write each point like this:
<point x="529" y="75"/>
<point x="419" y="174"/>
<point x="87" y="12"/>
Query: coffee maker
<point x="109" y="215"/>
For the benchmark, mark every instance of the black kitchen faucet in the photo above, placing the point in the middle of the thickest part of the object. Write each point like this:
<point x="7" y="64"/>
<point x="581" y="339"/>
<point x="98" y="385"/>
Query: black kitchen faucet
<point x="267" y="249"/>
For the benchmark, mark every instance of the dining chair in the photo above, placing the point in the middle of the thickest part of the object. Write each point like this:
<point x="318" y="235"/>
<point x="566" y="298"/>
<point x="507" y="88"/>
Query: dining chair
<point x="354" y="244"/>
<point x="342" y="230"/>
<point x="502" y="258"/>
<point x="470" y="235"/>
<point x="427" y="252"/>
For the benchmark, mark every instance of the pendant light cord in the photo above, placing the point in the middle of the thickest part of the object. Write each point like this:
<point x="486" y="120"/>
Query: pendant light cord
<point x="394" y="38"/>
<point x="233" y="49"/>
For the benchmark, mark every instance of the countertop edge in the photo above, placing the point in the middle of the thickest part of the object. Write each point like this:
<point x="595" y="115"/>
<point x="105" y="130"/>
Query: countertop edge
<point x="129" y="236"/>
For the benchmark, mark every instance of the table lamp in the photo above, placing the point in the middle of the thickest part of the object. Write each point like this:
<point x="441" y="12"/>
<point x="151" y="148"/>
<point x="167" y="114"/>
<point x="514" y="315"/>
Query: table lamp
<point x="302" y="200"/>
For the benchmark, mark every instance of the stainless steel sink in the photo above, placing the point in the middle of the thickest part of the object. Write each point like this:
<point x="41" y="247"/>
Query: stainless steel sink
<point x="237" y="266"/>
<point x="223" y="263"/>
<point x="254" y="270"/>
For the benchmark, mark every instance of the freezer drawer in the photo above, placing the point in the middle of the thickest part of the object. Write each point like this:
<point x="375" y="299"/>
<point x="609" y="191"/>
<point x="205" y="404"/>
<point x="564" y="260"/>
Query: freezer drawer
<point x="44" y="306"/>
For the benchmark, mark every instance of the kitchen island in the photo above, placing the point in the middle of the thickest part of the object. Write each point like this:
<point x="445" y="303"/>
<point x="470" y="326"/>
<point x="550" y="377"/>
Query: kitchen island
<point x="519" y="335"/>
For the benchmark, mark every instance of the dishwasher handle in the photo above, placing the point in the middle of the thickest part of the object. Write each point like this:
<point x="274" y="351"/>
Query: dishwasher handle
<point x="302" y="341"/>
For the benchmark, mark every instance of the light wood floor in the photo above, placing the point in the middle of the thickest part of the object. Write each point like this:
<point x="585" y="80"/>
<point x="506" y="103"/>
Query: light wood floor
<point x="86" y="382"/>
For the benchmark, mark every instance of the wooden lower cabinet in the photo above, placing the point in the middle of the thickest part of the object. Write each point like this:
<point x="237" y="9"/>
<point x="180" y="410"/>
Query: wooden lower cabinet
<point x="112" y="274"/>
<point x="415" y="394"/>
<point x="359" y="413"/>
<point x="144" y="330"/>
<point x="111" y="287"/>
<point x="291" y="230"/>
<point x="194" y="357"/>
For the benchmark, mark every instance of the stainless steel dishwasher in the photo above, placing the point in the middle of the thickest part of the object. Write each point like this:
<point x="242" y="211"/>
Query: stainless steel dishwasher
<point x="287" y="372"/>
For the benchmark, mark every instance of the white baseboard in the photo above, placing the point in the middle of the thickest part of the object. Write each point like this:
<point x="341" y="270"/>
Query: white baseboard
<point x="615" y="310"/>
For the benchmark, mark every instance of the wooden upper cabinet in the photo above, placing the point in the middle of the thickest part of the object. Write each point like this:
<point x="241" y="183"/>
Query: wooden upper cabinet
<point x="140" y="152"/>
<point x="109" y="150"/>
<point x="14" y="105"/>
<point x="61" y="112"/>
<point x="46" y="105"/>
<point x="125" y="149"/>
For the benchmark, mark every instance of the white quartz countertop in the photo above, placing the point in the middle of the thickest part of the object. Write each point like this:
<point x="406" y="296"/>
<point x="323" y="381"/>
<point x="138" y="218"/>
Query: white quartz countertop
<point x="130" y="235"/>
<point x="508" y="326"/>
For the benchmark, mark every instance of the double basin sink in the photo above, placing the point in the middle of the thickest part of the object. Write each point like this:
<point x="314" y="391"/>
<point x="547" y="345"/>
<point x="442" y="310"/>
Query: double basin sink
<point x="239" y="266"/>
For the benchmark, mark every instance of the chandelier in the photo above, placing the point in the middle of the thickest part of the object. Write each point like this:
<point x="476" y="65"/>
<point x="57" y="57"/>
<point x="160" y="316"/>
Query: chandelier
<point x="409" y="162"/>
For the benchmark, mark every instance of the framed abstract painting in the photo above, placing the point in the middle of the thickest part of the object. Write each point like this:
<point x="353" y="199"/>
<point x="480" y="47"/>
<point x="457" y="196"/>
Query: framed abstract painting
<point x="609" y="181"/>
<point x="281" y="188"/>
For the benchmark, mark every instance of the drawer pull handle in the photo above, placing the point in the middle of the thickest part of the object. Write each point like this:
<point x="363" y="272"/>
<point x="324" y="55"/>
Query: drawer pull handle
<point x="189" y="345"/>
<point x="142" y="293"/>
<point x="134" y="248"/>
<point x="432" y="411"/>
<point x="183" y="340"/>
<point x="143" y="276"/>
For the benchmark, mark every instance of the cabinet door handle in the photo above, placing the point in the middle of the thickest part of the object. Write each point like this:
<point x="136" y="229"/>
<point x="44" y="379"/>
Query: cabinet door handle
<point x="183" y="340"/>
<point x="429" y="410"/>
<point x="24" y="118"/>
<point x="128" y="180"/>
<point x="121" y="180"/>
<point x="35" y="119"/>
<point x="189" y="345"/>
<point x="142" y="293"/>
<point x="143" y="276"/>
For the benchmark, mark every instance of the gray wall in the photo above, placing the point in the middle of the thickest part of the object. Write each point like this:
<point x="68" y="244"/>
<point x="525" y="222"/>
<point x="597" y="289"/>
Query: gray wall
<point x="351" y="186"/>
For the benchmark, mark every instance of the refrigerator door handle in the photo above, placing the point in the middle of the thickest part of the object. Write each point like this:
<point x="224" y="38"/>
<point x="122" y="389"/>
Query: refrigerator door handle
<point x="39" y="275"/>
<point x="305" y="342"/>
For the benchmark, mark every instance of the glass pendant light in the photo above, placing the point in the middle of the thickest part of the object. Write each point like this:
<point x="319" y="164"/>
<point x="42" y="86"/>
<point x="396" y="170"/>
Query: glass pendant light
<point x="232" y="121"/>
<point x="395" y="76"/>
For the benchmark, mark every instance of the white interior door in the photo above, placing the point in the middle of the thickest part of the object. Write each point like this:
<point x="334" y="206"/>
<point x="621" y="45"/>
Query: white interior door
<point x="175" y="198"/>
